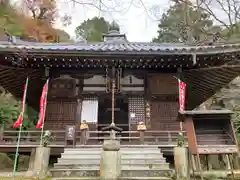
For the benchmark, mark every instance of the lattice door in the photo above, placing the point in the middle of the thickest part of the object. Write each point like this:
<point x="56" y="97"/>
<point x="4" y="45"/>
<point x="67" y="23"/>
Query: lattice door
<point x="136" y="110"/>
<point x="60" y="113"/>
<point x="164" y="115"/>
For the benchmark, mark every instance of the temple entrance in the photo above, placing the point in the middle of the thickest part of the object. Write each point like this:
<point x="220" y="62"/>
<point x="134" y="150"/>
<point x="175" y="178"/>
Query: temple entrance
<point x="120" y="116"/>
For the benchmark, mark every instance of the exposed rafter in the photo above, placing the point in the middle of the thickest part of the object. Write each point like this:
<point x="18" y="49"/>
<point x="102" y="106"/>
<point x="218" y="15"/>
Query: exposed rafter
<point x="205" y="82"/>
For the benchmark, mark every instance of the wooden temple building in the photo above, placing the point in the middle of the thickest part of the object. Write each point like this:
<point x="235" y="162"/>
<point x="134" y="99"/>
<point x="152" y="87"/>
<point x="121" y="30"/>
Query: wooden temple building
<point x="146" y="89"/>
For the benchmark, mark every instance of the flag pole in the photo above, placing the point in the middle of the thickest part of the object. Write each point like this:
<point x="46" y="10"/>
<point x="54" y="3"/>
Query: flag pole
<point x="20" y="130"/>
<point x="45" y="105"/>
<point x="197" y="154"/>
<point x="17" y="149"/>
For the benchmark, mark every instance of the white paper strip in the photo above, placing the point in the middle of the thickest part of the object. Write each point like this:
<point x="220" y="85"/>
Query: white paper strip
<point x="89" y="111"/>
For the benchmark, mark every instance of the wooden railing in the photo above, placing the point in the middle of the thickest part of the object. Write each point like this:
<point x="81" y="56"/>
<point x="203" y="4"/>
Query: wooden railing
<point x="32" y="137"/>
<point x="214" y="137"/>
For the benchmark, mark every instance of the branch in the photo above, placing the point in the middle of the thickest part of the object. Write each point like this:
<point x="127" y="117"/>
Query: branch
<point x="228" y="12"/>
<point x="211" y="13"/>
<point x="236" y="9"/>
<point x="42" y="13"/>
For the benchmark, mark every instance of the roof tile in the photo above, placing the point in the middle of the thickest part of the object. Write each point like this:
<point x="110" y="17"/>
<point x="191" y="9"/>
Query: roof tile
<point x="117" y="46"/>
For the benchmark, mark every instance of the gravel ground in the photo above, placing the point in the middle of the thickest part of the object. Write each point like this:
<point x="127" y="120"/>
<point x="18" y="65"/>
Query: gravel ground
<point x="9" y="174"/>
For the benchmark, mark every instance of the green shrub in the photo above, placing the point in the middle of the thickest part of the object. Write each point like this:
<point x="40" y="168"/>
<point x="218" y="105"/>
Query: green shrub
<point x="5" y="161"/>
<point x="23" y="162"/>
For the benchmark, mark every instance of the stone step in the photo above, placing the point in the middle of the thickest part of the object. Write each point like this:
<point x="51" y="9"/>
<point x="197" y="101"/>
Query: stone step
<point x="123" y="161"/>
<point x="77" y="161"/>
<point x="140" y="149"/>
<point x="94" y="172"/>
<point x="81" y="152"/>
<point x="75" y="172"/>
<point x="126" y="161"/>
<point x="144" y="178"/>
<point x="99" y="146"/>
<point x="121" y="178"/>
<point x="146" y="173"/>
<point x="122" y="149"/>
<point x="123" y="166"/>
<point x="123" y="156"/>
<point x="76" y="178"/>
<point x="142" y="156"/>
<point x="97" y="161"/>
<point x="122" y="152"/>
<point x="81" y="149"/>
<point x="81" y="157"/>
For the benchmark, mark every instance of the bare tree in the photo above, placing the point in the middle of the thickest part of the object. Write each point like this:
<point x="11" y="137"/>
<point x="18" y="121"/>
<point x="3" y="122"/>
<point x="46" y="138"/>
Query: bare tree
<point x="109" y="8"/>
<point x="225" y="12"/>
<point x="44" y="10"/>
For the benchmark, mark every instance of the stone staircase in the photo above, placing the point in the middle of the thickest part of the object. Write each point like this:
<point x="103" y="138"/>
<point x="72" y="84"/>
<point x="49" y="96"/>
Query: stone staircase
<point x="138" y="162"/>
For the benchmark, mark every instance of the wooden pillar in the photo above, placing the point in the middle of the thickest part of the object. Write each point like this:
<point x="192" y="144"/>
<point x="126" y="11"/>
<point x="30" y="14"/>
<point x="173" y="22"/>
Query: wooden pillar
<point x="236" y="160"/>
<point x="193" y="162"/>
<point x="192" y="140"/>
<point x="28" y="136"/>
<point x="209" y="164"/>
<point x="169" y="138"/>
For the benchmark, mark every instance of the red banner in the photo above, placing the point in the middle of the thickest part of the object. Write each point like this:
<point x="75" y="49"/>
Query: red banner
<point x="182" y="95"/>
<point x="43" y="101"/>
<point x="18" y="123"/>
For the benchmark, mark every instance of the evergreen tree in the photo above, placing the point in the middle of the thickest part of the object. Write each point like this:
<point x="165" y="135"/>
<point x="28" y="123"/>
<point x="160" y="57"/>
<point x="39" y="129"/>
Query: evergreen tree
<point x="92" y="29"/>
<point x="176" y="22"/>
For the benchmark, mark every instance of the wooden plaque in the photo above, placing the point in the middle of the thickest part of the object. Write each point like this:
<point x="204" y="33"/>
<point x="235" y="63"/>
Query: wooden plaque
<point x="62" y="88"/>
<point x="162" y="84"/>
<point x="70" y="133"/>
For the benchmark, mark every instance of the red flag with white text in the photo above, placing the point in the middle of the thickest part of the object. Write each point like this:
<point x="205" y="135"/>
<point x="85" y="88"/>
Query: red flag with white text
<point x="43" y="102"/>
<point x="182" y="95"/>
<point x="18" y="122"/>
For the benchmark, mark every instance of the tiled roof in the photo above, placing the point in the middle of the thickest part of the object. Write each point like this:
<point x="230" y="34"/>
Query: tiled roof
<point x="120" y="46"/>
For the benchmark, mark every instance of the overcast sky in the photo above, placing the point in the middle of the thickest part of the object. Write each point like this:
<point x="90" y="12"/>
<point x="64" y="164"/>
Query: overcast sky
<point x="135" y="20"/>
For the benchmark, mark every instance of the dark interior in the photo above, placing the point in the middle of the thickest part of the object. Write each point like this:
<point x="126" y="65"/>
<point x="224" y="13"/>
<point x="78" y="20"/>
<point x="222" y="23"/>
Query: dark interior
<point x="217" y="131"/>
<point x="120" y="115"/>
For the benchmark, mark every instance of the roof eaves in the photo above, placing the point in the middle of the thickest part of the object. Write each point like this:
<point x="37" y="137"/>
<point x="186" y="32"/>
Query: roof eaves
<point x="125" y="48"/>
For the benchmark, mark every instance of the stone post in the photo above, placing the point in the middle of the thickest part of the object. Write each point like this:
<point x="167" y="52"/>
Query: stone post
<point x="209" y="165"/>
<point x="181" y="162"/>
<point x="41" y="162"/>
<point x="236" y="160"/>
<point x="141" y="128"/>
<point x="226" y="160"/>
<point x="110" y="163"/>
<point x="29" y="172"/>
<point x="84" y="132"/>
